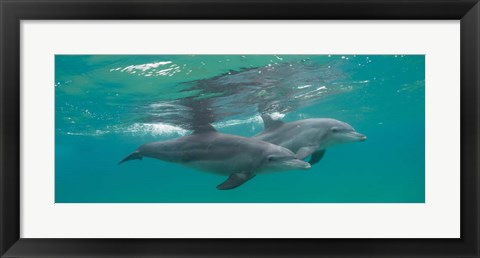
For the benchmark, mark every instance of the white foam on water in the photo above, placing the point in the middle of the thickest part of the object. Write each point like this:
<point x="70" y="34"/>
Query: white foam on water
<point x="155" y="129"/>
<point x="142" y="67"/>
<point x="277" y="115"/>
<point x="254" y="119"/>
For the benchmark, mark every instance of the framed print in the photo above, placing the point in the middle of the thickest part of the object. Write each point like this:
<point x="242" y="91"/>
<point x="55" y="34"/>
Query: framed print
<point x="239" y="129"/>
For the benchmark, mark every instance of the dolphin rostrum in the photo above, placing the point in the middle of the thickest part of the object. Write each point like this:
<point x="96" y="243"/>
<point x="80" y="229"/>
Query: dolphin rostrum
<point x="239" y="158"/>
<point x="308" y="137"/>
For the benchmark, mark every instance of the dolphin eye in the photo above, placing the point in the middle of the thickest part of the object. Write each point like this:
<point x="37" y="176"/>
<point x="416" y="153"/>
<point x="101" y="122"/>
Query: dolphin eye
<point x="270" y="159"/>
<point x="335" y="129"/>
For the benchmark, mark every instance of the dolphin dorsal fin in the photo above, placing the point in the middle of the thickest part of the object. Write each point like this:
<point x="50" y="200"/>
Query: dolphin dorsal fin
<point x="203" y="129"/>
<point x="268" y="122"/>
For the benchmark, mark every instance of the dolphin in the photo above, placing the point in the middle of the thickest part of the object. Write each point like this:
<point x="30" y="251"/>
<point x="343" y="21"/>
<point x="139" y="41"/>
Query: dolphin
<point x="308" y="137"/>
<point x="239" y="158"/>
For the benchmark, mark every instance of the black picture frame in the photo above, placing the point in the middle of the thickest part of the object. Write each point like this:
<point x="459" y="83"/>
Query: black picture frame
<point x="13" y="11"/>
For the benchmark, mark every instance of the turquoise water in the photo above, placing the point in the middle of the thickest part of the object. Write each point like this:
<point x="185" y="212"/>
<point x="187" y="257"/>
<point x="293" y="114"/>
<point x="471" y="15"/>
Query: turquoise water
<point x="108" y="105"/>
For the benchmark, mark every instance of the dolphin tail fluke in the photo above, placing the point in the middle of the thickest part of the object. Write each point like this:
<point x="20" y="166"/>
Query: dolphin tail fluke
<point x="135" y="155"/>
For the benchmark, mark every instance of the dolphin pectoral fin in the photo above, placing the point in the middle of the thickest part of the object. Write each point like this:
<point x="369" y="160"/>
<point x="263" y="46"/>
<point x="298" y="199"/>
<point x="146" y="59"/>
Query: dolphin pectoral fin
<point x="305" y="152"/>
<point x="317" y="156"/>
<point x="235" y="180"/>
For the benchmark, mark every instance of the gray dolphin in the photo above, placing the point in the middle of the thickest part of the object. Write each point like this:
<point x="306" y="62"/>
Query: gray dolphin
<point x="308" y="136"/>
<point x="238" y="157"/>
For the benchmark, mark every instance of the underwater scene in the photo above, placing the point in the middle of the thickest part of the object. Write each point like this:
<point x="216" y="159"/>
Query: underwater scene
<point x="239" y="128"/>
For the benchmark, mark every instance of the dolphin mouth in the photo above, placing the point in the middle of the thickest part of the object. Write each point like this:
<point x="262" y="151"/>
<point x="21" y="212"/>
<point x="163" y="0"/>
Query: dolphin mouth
<point x="306" y="165"/>
<point x="298" y="164"/>
<point x="360" y="137"/>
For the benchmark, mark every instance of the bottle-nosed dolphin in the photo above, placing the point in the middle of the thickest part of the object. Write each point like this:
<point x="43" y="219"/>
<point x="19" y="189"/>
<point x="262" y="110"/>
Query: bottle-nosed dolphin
<point x="238" y="157"/>
<point x="308" y="136"/>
